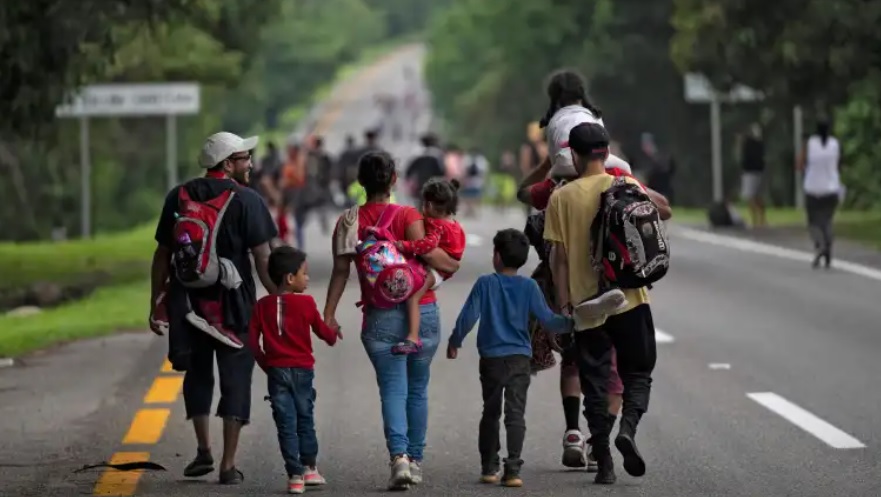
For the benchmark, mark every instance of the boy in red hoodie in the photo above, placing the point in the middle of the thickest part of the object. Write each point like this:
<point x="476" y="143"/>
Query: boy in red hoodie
<point x="280" y="337"/>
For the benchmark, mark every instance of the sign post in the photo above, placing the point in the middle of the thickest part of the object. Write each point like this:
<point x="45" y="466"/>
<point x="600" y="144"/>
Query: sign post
<point x="797" y="132"/>
<point x="128" y="100"/>
<point x="699" y="90"/>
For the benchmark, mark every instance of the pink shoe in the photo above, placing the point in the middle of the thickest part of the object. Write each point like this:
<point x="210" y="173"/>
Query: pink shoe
<point x="313" y="478"/>
<point x="296" y="485"/>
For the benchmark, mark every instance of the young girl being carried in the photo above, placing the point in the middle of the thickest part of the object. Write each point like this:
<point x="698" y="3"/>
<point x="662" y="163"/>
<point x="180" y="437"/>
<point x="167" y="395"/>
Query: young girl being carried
<point x="440" y="200"/>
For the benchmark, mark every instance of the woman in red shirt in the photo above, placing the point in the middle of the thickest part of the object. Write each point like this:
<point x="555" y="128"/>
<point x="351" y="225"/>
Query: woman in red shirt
<point x="402" y="379"/>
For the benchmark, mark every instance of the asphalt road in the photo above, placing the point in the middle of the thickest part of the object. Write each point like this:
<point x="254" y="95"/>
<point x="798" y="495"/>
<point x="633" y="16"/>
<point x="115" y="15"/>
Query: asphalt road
<point x="765" y="385"/>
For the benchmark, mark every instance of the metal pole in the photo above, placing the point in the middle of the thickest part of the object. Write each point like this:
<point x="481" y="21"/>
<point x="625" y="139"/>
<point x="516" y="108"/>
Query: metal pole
<point x="716" y="132"/>
<point x="171" y="149"/>
<point x="797" y="132"/>
<point x="85" y="180"/>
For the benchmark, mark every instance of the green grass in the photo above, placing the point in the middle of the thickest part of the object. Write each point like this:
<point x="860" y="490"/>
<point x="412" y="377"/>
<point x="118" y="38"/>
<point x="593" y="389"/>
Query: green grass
<point x="118" y="257"/>
<point x="107" y="310"/>
<point x="860" y="226"/>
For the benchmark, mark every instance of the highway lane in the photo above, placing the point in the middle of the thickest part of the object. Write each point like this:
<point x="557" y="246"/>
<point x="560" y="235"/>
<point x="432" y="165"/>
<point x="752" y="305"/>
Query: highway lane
<point x="766" y="324"/>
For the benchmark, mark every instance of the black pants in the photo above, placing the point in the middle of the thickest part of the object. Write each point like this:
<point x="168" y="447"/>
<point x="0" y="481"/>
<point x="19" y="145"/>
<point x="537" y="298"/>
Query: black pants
<point x="821" y="210"/>
<point x="235" y="368"/>
<point x="632" y="333"/>
<point x="503" y="378"/>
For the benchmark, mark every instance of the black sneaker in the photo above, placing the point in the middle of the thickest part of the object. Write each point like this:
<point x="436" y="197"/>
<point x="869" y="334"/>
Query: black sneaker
<point x="633" y="461"/>
<point x="201" y="465"/>
<point x="605" y="466"/>
<point x="231" y="476"/>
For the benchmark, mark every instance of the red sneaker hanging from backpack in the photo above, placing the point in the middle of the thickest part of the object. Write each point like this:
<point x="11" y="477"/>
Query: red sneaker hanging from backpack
<point x="196" y="263"/>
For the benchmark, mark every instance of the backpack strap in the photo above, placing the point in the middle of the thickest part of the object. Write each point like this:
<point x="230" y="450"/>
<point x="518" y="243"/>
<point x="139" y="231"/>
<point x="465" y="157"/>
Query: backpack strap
<point x="387" y="216"/>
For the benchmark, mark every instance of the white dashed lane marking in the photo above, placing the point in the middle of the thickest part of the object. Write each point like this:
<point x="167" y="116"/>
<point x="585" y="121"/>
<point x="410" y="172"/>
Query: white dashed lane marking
<point x="472" y="240"/>
<point x="663" y="337"/>
<point x="808" y="422"/>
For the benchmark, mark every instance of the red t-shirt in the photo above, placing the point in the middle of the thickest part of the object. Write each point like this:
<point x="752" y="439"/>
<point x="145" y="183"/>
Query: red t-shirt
<point x="368" y="216"/>
<point x="540" y="193"/>
<point x="446" y="234"/>
<point x="291" y="346"/>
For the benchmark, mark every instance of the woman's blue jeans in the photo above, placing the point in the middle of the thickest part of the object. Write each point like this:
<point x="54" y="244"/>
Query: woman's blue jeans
<point x="402" y="379"/>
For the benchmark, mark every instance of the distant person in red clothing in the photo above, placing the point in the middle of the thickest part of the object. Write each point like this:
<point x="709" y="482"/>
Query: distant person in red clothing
<point x="283" y="323"/>
<point x="440" y="200"/>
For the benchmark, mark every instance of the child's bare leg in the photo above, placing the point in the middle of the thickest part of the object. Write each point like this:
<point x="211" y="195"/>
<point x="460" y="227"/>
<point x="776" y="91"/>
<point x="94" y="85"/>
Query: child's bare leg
<point x="412" y="343"/>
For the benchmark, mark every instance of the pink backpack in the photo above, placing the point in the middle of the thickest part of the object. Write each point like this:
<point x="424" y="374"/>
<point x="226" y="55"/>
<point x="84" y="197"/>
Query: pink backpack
<point x="387" y="277"/>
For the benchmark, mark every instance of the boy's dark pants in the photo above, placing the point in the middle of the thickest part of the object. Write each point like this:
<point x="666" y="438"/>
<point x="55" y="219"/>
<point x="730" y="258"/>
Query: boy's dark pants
<point x="503" y="378"/>
<point x="633" y="335"/>
<point x="293" y="405"/>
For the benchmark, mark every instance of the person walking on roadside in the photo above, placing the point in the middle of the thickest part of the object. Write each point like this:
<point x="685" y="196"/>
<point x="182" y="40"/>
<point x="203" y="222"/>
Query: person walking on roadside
<point x="630" y="328"/>
<point x="532" y="153"/>
<point x="402" y="379"/>
<point x="427" y="165"/>
<point x="243" y="227"/>
<point x="819" y="160"/>
<point x="752" y="165"/>
<point x="568" y="107"/>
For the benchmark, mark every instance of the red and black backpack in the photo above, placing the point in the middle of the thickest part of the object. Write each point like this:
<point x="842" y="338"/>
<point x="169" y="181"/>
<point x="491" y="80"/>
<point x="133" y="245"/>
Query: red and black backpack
<point x="194" y="254"/>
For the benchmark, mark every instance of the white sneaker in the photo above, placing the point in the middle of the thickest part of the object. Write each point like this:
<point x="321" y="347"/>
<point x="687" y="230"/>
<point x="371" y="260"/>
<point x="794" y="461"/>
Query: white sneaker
<point x="415" y="473"/>
<point x="573" y="449"/>
<point x="606" y="303"/>
<point x="400" y="478"/>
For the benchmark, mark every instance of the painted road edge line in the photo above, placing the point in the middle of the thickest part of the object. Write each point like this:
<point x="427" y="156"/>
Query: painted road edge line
<point x="663" y="337"/>
<point x="808" y="422"/>
<point x="146" y="428"/>
<point x="772" y="250"/>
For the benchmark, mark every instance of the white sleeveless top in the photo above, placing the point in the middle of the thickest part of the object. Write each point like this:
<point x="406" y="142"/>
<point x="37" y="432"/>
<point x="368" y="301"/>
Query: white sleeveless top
<point x="557" y="133"/>
<point x="821" y="167"/>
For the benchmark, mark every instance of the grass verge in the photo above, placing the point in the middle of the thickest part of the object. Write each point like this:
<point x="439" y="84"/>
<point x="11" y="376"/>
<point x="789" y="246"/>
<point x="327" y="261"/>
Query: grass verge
<point x="121" y="257"/>
<point x="859" y="226"/>
<point x="110" y="309"/>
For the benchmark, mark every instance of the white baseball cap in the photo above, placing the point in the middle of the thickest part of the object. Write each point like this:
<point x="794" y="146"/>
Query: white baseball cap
<point x="220" y="146"/>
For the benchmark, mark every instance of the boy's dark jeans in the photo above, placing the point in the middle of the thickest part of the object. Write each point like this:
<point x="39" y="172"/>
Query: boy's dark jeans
<point x="501" y="378"/>
<point x="293" y="405"/>
<point x="633" y="335"/>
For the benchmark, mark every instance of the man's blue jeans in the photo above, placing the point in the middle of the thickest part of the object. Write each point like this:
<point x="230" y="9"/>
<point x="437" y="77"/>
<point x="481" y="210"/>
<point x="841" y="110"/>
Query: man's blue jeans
<point x="402" y="379"/>
<point x="293" y="409"/>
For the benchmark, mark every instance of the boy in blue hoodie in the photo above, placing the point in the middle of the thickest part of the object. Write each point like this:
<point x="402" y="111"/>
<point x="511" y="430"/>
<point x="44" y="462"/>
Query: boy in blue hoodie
<point x="503" y="302"/>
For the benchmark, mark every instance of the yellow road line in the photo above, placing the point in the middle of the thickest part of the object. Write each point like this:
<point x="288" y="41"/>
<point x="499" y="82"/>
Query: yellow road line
<point x="147" y="427"/>
<point x="120" y="483"/>
<point x="165" y="390"/>
<point x="166" y="367"/>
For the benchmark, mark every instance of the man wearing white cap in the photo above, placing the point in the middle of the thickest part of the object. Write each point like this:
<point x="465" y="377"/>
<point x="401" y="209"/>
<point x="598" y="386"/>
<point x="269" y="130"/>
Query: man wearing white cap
<point x="206" y="230"/>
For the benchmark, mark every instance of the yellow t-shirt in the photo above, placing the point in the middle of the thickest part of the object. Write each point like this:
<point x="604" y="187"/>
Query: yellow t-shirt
<point x="568" y="219"/>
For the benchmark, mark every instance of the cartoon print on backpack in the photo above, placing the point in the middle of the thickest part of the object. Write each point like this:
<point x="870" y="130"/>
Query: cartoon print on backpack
<point x="387" y="278"/>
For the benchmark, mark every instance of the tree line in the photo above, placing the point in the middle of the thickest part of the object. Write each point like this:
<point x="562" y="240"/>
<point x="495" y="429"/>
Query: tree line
<point x="488" y="62"/>
<point x="259" y="65"/>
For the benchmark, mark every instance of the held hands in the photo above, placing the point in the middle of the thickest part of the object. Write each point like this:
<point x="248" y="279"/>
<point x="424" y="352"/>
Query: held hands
<point x="331" y="323"/>
<point x="452" y="352"/>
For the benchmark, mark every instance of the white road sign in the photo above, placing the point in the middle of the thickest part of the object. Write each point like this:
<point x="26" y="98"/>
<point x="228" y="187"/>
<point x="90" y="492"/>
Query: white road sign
<point x="699" y="90"/>
<point x="147" y="99"/>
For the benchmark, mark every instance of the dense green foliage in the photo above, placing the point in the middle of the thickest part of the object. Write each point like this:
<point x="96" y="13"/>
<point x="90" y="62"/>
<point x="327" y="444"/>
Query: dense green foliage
<point x="259" y="64"/>
<point x="488" y="62"/>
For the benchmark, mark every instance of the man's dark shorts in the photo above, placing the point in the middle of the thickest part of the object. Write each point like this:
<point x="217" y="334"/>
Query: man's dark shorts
<point x="235" y="367"/>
